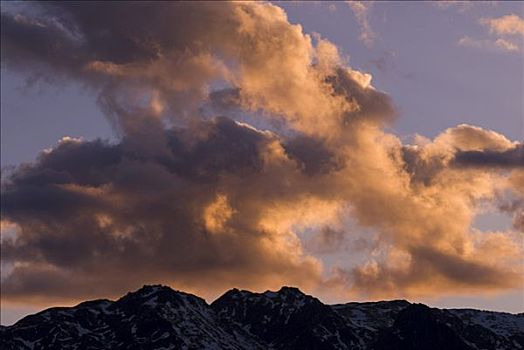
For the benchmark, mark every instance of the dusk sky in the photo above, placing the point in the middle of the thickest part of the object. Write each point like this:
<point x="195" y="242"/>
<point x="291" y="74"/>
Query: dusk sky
<point x="357" y="150"/>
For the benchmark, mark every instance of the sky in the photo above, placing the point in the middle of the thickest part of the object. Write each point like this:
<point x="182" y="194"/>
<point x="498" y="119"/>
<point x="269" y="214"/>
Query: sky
<point x="357" y="150"/>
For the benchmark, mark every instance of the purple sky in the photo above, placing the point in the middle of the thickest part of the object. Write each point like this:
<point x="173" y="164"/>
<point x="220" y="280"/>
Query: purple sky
<point x="415" y="57"/>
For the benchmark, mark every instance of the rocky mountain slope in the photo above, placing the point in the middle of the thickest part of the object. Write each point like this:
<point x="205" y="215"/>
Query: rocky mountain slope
<point x="157" y="317"/>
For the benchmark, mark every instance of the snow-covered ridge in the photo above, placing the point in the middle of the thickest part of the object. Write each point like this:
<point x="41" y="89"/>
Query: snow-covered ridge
<point x="157" y="317"/>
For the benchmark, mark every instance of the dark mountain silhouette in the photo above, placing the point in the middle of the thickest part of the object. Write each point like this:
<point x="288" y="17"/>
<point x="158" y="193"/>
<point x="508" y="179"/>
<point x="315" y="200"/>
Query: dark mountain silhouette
<point x="157" y="317"/>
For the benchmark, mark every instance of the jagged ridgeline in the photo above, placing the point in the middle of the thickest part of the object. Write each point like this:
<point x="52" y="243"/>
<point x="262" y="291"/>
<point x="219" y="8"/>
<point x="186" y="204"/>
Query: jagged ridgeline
<point x="157" y="317"/>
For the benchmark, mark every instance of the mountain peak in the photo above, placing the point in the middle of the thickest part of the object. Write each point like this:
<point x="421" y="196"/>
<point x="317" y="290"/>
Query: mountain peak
<point x="290" y="290"/>
<point x="152" y="288"/>
<point x="235" y="293"/>
<point x="148" y="291"/>
<point x="285" y="292"/>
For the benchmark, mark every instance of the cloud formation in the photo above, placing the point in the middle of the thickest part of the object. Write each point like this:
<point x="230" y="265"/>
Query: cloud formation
<point x="505" y="29"/>
<point x="505" y="25"/>
<point x="498" y="45"/>
<point x="203" y="201"/>
<point x="361" y="11"/>
<point x="513" y="157"/>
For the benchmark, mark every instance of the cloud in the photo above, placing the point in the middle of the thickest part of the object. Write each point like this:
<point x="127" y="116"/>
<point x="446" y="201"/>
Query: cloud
<point x="505" y="25"/>
<point x="498" y="45"/>
<point x="504" y="28"/>
<point x="506" y="45"/>
<point x="361" y="11"/>
<point x="196" y="46"/>
<point x="238" y="134"/>
<point x="89" y="211"/>
<point x="513" y="157"/>
<point x="327" y="240"/>
<point x="513" y="203"/>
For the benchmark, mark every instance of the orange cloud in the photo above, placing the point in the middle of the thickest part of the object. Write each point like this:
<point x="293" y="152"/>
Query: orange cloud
<point x="214" y="202"/>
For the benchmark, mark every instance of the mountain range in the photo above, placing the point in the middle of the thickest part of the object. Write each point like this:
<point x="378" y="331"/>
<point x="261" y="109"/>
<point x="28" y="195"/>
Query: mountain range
<point x="158" y="317"/>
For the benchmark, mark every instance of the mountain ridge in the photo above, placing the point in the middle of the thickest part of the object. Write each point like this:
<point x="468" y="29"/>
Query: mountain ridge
<point x="158" y="317"/>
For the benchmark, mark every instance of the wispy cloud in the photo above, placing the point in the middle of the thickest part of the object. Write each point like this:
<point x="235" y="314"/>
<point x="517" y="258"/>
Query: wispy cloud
<point x="500" y="44"/>
<point x="361" y="11"/>
<point x="506" y="33"/>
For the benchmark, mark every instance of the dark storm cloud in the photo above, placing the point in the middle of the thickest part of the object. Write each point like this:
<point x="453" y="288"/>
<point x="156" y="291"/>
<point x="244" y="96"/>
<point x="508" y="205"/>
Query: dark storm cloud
<point x="119" y="50"/>
<point x="421" y="262"/>
<point x="461" y="270"/>
<point x="513" y="157"/>
<point x="226" y="148"/>
<point x="312" y="155"/>
<point x="421" y="170"/>
<point x="424" y="169"/>
<point x="373" y="104"/>
<point x="67" y="35"/>
<point x="225" y="99"/>
<point x="91" y="206"/>
<point x="28" y="40"/>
